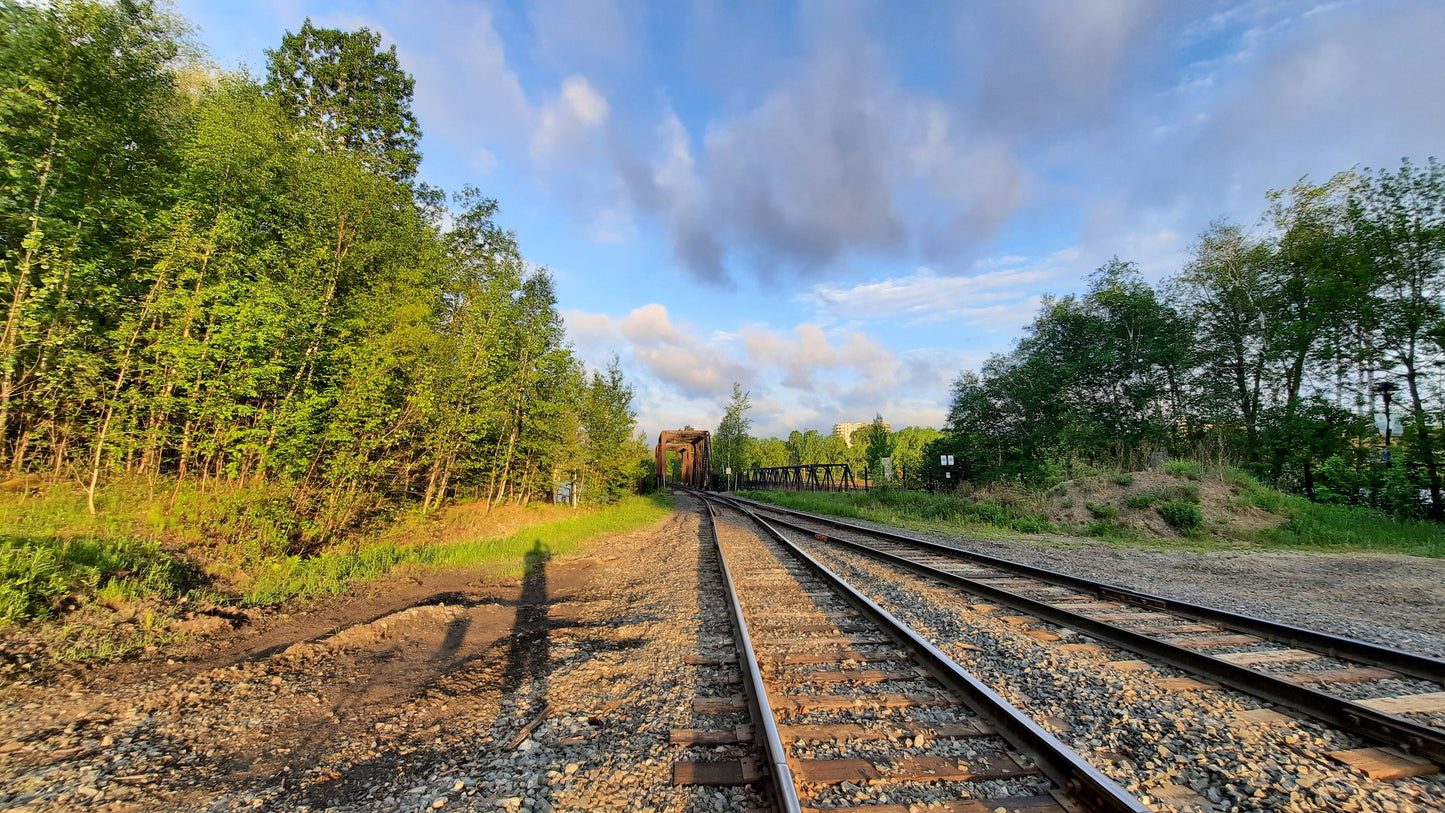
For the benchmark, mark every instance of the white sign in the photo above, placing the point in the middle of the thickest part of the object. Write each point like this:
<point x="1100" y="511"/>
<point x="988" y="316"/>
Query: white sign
<point x="729" y="470"/>
<point x="945" y="460"/>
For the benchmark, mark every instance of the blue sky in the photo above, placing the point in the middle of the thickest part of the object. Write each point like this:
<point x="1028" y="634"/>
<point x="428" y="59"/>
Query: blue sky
<point x="843" y="204"/>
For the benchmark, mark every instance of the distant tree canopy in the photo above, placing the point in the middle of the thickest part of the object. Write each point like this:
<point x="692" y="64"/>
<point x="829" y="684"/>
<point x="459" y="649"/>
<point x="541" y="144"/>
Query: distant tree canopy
<point x="1267" y="351"/>
<point x="234" y="283"/>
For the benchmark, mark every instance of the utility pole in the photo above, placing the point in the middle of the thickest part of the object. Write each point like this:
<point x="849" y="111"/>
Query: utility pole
<point x="1387" y="389"/>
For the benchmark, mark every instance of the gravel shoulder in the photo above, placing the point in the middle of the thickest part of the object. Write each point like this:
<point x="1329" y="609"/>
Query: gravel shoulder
<point x="1385" y="598"/>
<point x="457" y="691"/>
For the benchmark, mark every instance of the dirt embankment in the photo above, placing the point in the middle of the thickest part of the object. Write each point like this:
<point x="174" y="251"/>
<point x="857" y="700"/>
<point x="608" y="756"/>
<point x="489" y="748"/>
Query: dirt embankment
<point x="1132" y="501"/>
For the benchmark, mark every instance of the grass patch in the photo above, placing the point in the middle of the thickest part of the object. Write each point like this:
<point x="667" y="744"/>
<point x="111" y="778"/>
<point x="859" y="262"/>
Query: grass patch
<point x="1338" y="527"/>
<point x="1104" y="512"/>
<point x="895" y="506"/>
<point x="37" y="573"/>
<point x="1181" y="515"/>
<point x="1186" y="469"/>
<point x="1141" y="501"/>
<point x="333" y="572"/>
<point x="1123" y="479"/>
<point x="1180" y="493"/>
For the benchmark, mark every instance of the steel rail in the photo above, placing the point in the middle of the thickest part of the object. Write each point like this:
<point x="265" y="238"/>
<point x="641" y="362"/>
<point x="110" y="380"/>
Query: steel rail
<point x="1061" y="764"/>
<point x="1335" y="646"/>
<point x="1378" y="726"/>
<point x="784" y="787"/>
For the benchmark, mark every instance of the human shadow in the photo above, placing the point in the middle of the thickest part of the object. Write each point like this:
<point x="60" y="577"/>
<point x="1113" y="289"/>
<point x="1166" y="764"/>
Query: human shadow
<point x="529" y="655"/>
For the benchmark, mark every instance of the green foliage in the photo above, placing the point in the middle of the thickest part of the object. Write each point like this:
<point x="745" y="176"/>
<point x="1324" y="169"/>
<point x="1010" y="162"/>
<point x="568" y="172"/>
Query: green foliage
<point x="347" y="94"/>
<point x="334" y="571"/>
<point x="730" y="443"/>
<point x="1268" y="350"/>
<point x="1186" y="492"/>
<point x="1338" y="527"/>
<point x="877" y="444"/>
<point x="1141" y="501"/>
<point x="885" y="504"/>
<point x="37" y="571"/>
<point x="1187" y="469"/>
<point x="216" y="281"/>
<point x="1107" y="512"/>
<point x="1123" y="479"/>
<point x="1182" y="515"/>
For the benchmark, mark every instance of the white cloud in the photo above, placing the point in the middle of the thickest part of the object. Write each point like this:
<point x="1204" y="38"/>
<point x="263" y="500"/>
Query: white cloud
<point x="564" y="124"/>
<point x="801" y="378"/>
<point x="1004" y="298"/>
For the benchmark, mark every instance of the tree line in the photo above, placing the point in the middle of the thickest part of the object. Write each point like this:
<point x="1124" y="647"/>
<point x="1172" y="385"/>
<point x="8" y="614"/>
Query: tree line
<point x="1277" y="348"/>
<point x="225" y="280"/>
<point x="734" y="448"/>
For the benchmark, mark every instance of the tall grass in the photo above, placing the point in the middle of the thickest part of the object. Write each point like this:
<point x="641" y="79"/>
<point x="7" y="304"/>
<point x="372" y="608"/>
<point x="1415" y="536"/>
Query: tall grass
<point x="1341" y="527"/>
<point x="54" y="551"/>
<point x="333" y="571"/>
<point x="897" y="506"/>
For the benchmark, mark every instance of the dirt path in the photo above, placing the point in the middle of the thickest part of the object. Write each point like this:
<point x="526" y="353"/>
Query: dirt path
<point x="409" y="696"/>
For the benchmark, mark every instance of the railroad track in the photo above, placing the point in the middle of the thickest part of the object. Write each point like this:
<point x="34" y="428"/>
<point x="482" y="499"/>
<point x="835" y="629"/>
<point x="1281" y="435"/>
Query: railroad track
<point x="853" y="710"/>
<point x="1388" y="696"/>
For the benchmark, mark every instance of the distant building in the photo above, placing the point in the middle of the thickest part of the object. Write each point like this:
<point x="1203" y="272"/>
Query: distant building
<point x="845" y="431"/>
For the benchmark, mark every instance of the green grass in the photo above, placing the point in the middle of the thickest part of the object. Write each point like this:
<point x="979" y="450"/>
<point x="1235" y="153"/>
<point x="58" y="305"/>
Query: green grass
<point x="334" y="571"/>
<point x="1315" y="526"/>
<point x="39" y="572"/>
<point x="1187" y="469"/>
<point x="899" y="507"/>
<point x="1182" y="515"/>
<point x="1141" y="501"/>
<point x="54" y="553"/>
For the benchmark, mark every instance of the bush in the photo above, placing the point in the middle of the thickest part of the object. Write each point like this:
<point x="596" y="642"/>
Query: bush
<point x="1103" y="511"/>
<point x="1181" y="515"/>
<point x="1188" y="469"/>
<point x="1142" y="500"/>
<point x="35" y="572"/>
<point x="1180" y="493"/>
<point x="1123" y="479"/>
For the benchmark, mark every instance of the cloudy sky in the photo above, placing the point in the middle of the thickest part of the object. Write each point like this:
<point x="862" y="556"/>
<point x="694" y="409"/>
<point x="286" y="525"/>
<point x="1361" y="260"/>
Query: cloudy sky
<point x="843" y="204"/>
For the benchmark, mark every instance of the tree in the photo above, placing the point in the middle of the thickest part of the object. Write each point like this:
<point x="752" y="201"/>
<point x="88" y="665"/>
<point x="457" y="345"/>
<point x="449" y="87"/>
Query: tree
<point x="1229" y="290"/>
<point x="730" y="442"/>
<point x="1398" y="222"/>
<point x="805" y="447"/>
<point x="608" y="421"/>
<point x="768" y="453"/>
<point x="87" y="113"/>
<point x="908" y="444"/>
<point x="349" y="94"/>
<point x="877" y="444"/>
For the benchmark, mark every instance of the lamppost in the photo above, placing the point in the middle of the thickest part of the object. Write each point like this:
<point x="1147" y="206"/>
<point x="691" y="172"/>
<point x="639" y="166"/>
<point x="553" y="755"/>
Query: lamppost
<point x="1387" y="389"/>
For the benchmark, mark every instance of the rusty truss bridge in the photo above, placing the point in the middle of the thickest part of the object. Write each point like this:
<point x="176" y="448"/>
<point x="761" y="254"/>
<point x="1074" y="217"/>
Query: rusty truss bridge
<point x="807" y="477"/>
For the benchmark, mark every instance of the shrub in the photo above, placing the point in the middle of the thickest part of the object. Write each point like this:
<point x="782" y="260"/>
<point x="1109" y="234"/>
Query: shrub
<point x="1108" y="512"/>
<point x="1142" y="500"/>
<point x="1123" y="479"/>
<point x="1188" y="469"/>
<point x="1181" y="515"/>
<point x="1180" y="493"/>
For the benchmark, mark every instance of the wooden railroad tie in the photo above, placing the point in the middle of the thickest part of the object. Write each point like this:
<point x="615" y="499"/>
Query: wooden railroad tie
<point x="1385" y="763"/>
<point x="1014" y="804"/>
<point x="721" y="773"/>
<point x="908" y="769"/>
<point x="1408" y="704"/>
